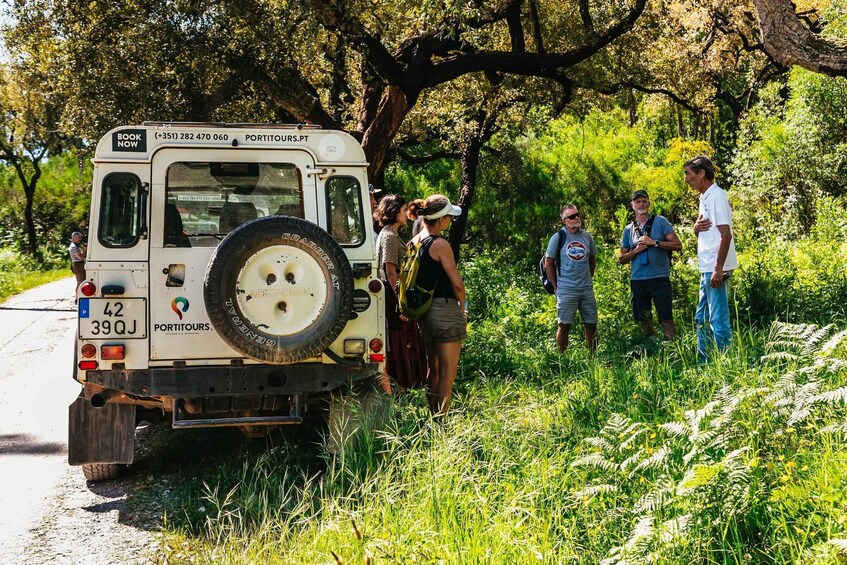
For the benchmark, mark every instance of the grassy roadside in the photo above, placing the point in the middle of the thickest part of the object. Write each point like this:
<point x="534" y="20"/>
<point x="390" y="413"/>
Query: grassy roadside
<point x="12" y="283"/>
<point x="571" y="460"/>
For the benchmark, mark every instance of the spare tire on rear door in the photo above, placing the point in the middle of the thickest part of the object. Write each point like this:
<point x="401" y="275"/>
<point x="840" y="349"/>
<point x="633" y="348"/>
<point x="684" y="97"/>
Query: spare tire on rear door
<point x="279" y="289"/>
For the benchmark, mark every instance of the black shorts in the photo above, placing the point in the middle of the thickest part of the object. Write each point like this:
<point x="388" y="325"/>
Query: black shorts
<point x="656" y="290"/>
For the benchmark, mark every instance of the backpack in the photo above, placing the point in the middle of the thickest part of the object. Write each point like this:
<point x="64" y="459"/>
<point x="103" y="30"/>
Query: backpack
<point x="413" y="300"/>
<point x="542" y="271"/>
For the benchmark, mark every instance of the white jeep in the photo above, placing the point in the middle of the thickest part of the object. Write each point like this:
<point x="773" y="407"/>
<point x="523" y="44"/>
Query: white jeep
<point x="231" y="281"/>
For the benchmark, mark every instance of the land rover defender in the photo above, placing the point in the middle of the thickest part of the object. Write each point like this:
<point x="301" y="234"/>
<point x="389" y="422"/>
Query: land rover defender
<point x="231" y="281"/>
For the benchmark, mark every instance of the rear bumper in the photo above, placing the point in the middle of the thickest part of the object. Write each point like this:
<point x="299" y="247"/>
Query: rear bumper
<point x="247" y="380"/>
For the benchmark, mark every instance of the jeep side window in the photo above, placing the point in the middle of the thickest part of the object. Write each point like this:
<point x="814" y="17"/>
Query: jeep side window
<point x="207" y="200"/>
<point x="345" y="210"/>
<point x="118" y="210"/>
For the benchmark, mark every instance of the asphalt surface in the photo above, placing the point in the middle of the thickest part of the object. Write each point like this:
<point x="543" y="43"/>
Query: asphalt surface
<point x="36" y="354"/>
<point x="48" y="513"/>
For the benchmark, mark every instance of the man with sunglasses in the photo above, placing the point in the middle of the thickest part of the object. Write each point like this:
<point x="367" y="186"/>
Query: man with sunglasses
<point x="570" y="265"/>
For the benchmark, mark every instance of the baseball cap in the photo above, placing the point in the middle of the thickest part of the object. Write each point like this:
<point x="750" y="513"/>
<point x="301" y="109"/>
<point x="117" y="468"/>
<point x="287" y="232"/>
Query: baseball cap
<point x="639" y="193"/>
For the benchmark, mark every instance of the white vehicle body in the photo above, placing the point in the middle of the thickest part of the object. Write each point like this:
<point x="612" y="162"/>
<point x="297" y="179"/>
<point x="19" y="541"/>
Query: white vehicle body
<point x="231" y="277"/>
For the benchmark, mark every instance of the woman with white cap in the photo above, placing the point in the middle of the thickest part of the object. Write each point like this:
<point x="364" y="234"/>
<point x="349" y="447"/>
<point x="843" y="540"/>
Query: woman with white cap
<point x="444" y="325"/>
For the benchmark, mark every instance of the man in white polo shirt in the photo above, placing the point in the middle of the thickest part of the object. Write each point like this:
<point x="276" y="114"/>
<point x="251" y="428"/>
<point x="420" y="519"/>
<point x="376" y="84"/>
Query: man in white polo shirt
<point x="715" y="256"/>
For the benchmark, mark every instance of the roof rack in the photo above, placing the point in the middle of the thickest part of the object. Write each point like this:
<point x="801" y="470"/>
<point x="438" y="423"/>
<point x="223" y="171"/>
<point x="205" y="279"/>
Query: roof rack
<point x="234" y="125"/>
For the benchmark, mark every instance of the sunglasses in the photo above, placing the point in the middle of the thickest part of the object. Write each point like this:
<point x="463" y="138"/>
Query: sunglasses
<point x="571" y="217"/>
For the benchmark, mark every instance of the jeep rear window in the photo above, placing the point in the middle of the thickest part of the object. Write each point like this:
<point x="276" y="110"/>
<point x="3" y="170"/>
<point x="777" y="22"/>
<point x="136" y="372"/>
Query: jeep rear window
<point x="118" y="210"/>
<point x="346" y="224"/>
<point x="207" y="200"/>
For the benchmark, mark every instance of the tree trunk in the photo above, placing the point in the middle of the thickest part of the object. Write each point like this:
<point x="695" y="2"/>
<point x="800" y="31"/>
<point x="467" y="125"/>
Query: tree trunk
<point x="29" y="193"/>
<point x="470" y="164"/>
<point x="790" y="42"/>
<point x="379" y="134"/>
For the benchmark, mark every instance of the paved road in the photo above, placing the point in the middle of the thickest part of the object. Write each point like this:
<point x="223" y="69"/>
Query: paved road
<point x="36" y="354"/>
<point x="48" y="514"/>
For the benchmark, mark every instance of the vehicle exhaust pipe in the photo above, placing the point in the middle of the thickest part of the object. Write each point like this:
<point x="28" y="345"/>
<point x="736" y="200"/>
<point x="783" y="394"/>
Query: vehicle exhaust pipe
<point x="100" y="399"/>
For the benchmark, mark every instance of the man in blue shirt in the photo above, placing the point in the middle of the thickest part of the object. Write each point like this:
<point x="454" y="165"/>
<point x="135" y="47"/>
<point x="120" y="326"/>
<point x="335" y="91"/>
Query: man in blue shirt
<point x="647" y="243"/>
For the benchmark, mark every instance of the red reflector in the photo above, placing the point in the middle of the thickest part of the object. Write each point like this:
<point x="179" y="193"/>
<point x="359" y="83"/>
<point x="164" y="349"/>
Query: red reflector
<point x="112" y="352"/>
<point x="88" y="365"/>
<point x="88" y="289"/>
<point x="377" y="357"/>
<point x="375" y="286"/>
<point x="88" y="350"/>
<point x="375" y="345"/>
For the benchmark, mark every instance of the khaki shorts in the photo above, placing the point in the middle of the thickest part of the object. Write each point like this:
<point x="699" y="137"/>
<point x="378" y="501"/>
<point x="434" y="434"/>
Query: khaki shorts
<point x="573" y="299"/>
<point x="444" y="322"/>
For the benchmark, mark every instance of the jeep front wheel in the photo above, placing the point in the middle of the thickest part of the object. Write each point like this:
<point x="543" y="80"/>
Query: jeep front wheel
<point x="279" y="289"/>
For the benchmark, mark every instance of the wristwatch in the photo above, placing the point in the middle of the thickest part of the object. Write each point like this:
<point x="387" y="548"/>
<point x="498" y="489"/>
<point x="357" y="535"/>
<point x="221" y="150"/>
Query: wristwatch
<point x="656" y="244"/>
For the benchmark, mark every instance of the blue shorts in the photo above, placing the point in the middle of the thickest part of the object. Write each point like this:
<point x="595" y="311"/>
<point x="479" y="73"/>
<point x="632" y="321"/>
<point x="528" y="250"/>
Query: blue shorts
<point x="573" y="299"/>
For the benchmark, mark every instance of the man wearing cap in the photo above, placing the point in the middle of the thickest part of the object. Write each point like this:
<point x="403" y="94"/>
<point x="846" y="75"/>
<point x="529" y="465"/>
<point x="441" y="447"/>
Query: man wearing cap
<point x="573" y="273"/>
<point x="77" y="252"/>
<point x="715" y="256"/>
<point x="647" y="243"/>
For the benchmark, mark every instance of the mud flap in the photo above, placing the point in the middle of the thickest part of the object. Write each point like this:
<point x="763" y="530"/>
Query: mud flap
<point x="100" y="435"/>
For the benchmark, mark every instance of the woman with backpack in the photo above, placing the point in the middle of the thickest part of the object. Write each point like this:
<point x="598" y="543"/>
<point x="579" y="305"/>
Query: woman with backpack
<point x="406" y="356"/>
<point x="444" y="325"/>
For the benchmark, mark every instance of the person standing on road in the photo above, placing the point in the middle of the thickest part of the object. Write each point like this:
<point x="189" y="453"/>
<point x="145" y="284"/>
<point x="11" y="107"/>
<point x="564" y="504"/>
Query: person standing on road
<point x="647" y="243"/>
<point x="406" y="355"/>
<point x="571" y="265"/>
<point x="444" y="326"/>
<point x="77" y="252"/>
<point x="715" y="256"/>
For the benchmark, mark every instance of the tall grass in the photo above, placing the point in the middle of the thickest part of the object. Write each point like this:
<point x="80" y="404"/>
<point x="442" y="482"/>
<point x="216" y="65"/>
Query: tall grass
<point x="637" y="454"/>
<point x="19" y="272"/>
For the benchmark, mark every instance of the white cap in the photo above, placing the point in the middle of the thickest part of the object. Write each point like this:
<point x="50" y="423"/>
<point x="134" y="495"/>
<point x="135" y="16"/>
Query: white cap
<point x="448" y="209"/>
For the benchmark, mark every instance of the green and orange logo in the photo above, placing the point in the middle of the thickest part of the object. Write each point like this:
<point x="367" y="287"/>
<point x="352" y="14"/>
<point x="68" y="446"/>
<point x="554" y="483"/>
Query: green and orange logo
<point x="179" y="305"/>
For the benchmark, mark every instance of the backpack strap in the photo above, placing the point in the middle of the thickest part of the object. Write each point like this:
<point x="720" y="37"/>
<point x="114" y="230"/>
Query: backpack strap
<point x="563" y="237"/>
<point x="648" y="225"/>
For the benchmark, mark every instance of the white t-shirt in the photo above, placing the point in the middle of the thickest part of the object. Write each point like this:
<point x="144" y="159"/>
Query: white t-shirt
<point x="714" y="205"/>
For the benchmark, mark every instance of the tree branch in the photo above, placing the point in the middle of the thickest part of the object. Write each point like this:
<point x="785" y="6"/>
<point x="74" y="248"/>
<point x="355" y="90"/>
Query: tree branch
<point x="789" y="42"/>
<point x="526" y="64"/>
<point x="424" y="159"/>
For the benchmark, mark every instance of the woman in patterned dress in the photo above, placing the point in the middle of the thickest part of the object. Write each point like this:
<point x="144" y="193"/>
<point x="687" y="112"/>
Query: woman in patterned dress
<point x="406" y="353"/>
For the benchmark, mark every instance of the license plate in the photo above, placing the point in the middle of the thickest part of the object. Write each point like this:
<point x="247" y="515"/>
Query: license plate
<point x="111" y="318"/>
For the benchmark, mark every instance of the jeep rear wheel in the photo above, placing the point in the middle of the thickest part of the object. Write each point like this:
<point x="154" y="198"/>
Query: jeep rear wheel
<point x="102" y="471"/>
<point x="279" y="289"/>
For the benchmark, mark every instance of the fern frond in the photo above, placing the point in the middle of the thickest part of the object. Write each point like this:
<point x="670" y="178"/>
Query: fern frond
<point x="832" y="397"/>
<point x="840" y="543"/>
<point x="656" y="499"/>
<point x="595" y="461"/>
<point x="833" y="342"/>
<point x="674" y="528"/>
<point x="632" y="433"/>
<point x="696" y="477"/>
<point x="594" y="490"/>
<point x="655" y="461"/>
<point x="799" y="415"/>
<point x="676" y="429"/>
<point x="600" y="444"/>
<point x="835" y="428"/>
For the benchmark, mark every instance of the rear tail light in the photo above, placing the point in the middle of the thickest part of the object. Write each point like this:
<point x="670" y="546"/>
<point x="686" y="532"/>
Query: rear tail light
<point x="375" y="286"/>
<point x="377" y="357"/>
<point x="375" y="345"/>
<point x="112" y="352"/>
<point x="88" y="350"/>
<point x="88" y="288"/>
<point x="88" y="365"/>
